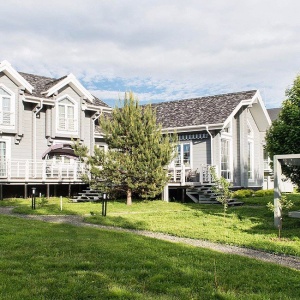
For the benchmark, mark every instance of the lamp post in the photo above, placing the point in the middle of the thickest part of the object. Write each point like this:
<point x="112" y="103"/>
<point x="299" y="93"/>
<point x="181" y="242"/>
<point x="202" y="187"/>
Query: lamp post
<point x="33" y="190"/>
<point x="104" y="204"/>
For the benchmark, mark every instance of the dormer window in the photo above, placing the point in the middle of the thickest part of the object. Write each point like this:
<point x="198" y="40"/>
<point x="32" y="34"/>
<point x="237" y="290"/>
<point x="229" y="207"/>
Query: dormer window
<point x="66" y="114"/>
<point x="7" y="107"/>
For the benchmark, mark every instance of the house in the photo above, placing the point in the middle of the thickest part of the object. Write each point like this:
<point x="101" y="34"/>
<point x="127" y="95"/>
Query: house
<point x="39" y="117"/>
<point x="225" y="131"/>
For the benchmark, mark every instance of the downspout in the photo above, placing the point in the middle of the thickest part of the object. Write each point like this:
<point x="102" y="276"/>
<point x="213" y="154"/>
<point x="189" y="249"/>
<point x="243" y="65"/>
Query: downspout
<point x="34" y="128"/>
<point x="94" y="126"/>
<point x="211" y="146"/>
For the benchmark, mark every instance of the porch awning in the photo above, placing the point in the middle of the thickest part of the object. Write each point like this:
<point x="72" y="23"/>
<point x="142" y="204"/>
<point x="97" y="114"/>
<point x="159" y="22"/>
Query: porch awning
<point x="60" y="149"/>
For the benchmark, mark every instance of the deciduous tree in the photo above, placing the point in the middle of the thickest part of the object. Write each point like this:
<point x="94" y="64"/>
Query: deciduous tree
<point x="283" y="137"/>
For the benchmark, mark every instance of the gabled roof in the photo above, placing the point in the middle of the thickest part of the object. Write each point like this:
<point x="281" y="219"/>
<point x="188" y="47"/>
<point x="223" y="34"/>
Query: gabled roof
<point x="200" y="111"/>
<point x="273" y="113"/>
<point x="6" y="67"/>
<point x="42" y="86"/>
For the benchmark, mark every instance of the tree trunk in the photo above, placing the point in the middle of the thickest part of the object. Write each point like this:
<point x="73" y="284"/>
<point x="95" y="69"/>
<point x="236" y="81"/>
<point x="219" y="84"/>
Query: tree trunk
<point x="129" y="199"/>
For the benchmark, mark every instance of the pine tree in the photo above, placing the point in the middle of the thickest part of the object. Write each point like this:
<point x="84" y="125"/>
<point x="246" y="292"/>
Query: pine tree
<point x="138" y="152"/>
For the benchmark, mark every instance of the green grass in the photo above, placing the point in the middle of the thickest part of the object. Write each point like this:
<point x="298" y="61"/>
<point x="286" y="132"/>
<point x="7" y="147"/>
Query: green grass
<point x="59" y="261"/>
<point x="250" y="225"/>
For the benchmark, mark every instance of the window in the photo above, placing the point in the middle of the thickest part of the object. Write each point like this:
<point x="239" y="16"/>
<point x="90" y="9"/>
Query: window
<point x="6" y="107"/>
<point x="67" y="111"/>
<point x="183" y="155"/>
<point x="3" y="153"/>
<point x="225" y="159"/>
<point x="250" y="162"/>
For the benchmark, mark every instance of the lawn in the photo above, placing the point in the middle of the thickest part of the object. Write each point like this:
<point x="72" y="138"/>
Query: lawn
<point x="58" y="261"/>
<point x="250" y="225"/>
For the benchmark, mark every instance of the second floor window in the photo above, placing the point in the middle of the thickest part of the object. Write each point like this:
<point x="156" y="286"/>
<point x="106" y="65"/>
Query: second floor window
<point x="6" y="107"/>
<point x="66" y="115"/>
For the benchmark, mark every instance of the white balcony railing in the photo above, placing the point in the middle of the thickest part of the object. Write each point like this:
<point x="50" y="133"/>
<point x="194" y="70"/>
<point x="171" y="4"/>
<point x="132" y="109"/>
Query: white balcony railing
<point x="185" y="175"/>
<point x="41" y="170"/>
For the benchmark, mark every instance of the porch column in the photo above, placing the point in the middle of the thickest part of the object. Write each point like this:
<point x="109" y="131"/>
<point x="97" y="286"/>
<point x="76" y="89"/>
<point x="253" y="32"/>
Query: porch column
<point x="25" y="191"/>
<point x="277" y="193"/>
<point x="48" y="191"/>
<point x="165" y="194"/>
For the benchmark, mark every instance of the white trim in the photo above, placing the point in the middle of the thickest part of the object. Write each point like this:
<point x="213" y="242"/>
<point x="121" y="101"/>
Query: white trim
<point x="72" y="81"/>
<point x="181" y="144"/>
<point x="193" y="128"/>
<point x="251" y="142"/>
<point x="6" y="67"/>
<point x="7" y="141"/>
<point x="229" y="139"/>
<point x="12" y="108"/>
<point x="76" y="116"/>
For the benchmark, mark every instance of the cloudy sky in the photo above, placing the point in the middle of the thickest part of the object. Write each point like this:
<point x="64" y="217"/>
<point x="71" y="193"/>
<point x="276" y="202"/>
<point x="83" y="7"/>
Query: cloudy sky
<point x="159" y="49"/>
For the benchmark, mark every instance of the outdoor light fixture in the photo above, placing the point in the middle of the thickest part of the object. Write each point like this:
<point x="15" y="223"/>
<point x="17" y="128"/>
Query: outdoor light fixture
<point x="33" y="190"/>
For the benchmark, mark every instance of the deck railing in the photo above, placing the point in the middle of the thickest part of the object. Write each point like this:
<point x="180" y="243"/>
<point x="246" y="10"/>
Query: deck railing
<point x="40" y="170"/>
<point x="185" y="175"/>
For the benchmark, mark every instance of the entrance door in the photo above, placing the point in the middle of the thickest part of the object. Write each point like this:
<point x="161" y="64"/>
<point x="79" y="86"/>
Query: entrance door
<point x="3" y="153"/>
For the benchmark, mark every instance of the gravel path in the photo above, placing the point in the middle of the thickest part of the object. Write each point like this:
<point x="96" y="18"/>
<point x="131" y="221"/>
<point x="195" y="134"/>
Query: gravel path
<point x="283" y="260"/>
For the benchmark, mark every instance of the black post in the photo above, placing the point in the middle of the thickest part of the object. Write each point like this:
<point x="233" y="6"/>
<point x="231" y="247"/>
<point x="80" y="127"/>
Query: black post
<point x="104" y="205"/>
<point x="33" y="198"/>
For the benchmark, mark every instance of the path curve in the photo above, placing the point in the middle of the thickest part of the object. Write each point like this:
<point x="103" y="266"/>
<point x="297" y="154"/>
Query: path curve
<point x="283" y="260"/>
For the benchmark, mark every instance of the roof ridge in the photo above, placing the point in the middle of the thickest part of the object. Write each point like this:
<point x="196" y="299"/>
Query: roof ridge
<point x="203" y="97"/>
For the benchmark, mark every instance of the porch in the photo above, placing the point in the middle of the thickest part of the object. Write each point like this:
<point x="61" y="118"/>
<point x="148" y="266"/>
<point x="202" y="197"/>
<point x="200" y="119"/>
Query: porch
<point x="41" y="171"/>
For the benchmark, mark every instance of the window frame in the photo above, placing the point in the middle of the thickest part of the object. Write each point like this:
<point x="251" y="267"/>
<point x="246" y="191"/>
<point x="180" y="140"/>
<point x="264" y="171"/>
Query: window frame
<point x="250" y="152"/>
<point x="230" y="160"/>
<point x="179" y="160"/>
<point x="12" y="101"/>
<point x="75" y="114"/>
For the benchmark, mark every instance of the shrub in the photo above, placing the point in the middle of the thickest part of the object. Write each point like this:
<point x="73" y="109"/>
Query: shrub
<point x="262" y="193"/>
<point x="239" y="194"/>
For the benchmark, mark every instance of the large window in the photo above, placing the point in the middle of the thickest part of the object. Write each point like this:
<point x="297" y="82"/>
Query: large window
<point x="6" y="107"/>
<point x="183" y="155"/>
<point x="3" y="153"/>
<point x="67" y="115"/>
<point x="225" y="159"/>
<point x="250" y="152"/>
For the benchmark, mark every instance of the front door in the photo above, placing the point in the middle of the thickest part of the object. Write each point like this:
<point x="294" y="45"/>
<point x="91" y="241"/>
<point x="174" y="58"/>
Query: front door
<point x="3" y="157"/>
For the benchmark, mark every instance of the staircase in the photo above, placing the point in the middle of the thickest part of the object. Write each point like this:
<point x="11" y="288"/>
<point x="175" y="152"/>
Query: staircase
<point x="88" y="195"/>
<point x="204" y="194"/>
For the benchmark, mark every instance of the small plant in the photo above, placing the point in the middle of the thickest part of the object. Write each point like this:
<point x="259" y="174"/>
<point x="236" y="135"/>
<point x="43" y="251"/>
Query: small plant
<point x="262" y="193"/>
<point x="221" y="189"/>
<point x="42" y="201"/>
<point x="284" y="205"/>
<point x="240" y="194"/>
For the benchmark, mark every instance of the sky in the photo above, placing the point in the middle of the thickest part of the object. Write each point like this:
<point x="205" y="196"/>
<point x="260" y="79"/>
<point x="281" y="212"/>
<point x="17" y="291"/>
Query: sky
<point x="161" y="50"/>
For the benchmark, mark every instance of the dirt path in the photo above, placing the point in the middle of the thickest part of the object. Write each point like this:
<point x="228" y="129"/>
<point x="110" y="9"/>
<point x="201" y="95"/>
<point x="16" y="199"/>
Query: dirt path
<point x="283" y="260"/>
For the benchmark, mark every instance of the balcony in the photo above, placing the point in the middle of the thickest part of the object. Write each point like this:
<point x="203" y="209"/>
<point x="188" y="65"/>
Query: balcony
<point x="41" y="171"/>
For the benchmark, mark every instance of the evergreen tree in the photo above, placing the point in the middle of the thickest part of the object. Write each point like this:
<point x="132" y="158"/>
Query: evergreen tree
<point x="283" y="137"/>
<point x="138" y="153"/>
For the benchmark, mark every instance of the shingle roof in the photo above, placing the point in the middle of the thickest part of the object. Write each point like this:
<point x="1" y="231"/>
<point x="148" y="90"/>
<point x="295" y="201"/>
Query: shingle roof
<point x="273" y="113"/>
<point x="199" y="111"/>
<point x="42" y="84"/>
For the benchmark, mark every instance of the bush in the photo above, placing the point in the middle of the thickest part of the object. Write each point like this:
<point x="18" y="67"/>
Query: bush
<point x="262" y="193"/>
<point x="239" y="194"/>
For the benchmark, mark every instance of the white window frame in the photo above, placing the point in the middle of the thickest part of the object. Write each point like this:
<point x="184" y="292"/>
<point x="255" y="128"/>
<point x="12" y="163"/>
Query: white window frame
<point x="75" y="105"/>
<point x="181" y="158"/>
<point x="7" y="141"/>
<point x="12" y="97"/>
<point x="230" y="160"/>
<point x="250" y="153"/>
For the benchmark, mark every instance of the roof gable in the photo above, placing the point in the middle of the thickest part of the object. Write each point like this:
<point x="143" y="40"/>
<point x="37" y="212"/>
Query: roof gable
<point x="200" y="111"/>
<point x="73" y="82"/>
<point x="6" y="68"/>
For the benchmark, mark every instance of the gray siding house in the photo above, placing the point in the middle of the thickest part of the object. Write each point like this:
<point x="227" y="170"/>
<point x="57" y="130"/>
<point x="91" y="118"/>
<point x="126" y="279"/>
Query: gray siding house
<point x="39" y="116"/>
<point x="225" y="131"/>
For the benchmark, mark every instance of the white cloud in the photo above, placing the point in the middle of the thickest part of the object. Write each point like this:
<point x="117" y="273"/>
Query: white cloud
<point x="167" y="49"/>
